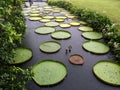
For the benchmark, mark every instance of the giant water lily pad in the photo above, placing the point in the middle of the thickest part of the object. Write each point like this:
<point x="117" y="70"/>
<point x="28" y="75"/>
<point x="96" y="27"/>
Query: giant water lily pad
<point x="51" y="24"/>
<point x="82" y="22"/>
<point x="108" y="72"/>
<point x="26" y="14"/>
<point x="74" y="23"/>
<point x="56" y="10"/>
<point x="47" y="7"/>
<point x="44" y="30"/>
<point x="34" y="6"/>
<point x="76" y="59"/>
<point x="61" y="34"/>
<point x="60" y="17"/>
<point x="48" y="17"/>
<point x="92" y="35"/>
<point x="35" y="12"/>
<point x="34" y="15"/>
<point x="35" y="18"/>
<point x="65" y="25"/>
<point x="21" y="55"/>
<point x="50" y="46"/>
<point x="95" y="47"/>
<point x="85" y="28"/>
<point x="59" y="20"/>
<point x="49" y="72"/>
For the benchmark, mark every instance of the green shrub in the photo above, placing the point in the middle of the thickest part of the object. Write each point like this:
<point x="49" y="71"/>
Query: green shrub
<point x="13" y="78"/>
<point x="112" y="37"/>
<point x="12" y="29"/>
<point x="61" y="3"/>
<point x="94" y="19"/>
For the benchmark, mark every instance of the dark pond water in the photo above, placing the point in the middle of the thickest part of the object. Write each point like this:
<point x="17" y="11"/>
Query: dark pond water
<point x="79" y="77"/>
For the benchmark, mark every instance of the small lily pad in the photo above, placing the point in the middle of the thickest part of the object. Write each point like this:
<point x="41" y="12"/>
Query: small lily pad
<point x="56" y="10"/>
<point x="92" y="35"/>
<point x="108" y="72"/>
<point x="59" y="20"/>
<point x="65" y="25"/>
<point x="76" y="59"/>
<point x="44" y="30"/>
<point x="85" y="28"/>
<point x="61" y="34"/>
<point x="34" y="6"/>
<point x="26" y="14"/>
<point x="48" y="17"/>
<point x="74" y="23"/>
<point x="35" y="18"/>
<point x="34" y="15"/>
<point x="21" y="55"/>
<point x="47" y="7"/>
<point x="50" y="46"/>
<point x="96" y="47"/>
<point x="82" y="22"/>
<point x="51" y="24"/>
<point x="49" y="72"/>
<point x="60" y="17"/>
<point x="35" y="12"/>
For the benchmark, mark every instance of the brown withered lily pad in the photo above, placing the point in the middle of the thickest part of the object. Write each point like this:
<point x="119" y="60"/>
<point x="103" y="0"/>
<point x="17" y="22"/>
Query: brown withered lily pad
<point x="76" y="59"/>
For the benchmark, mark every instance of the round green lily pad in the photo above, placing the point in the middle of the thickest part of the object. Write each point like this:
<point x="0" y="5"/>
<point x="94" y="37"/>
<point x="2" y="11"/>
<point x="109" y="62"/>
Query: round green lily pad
<point x="74" y="23"/>
<point x="45" y="20"/>
<point x="85" y="28"/>
<point x="26" y="9"/>
<point x="44" y="30"/>
<point x="60" y="17"/>
<point x="108" y="72"/>
<point x="51" y="24"/>
<point x="48" y="17"/>
<point x="50" y="46"/>
<point x="59" y="20"/>
<point x="35" y="12"/>
<point x="49" y="72"/>
<point x="26" y="14"/>
<point x="92" y="35"/>
<point x="47" y="7"/>
<point x="65" y="25"/>
<point x="34" y="6"/>
<point x="56" y="10"/>
<point x="82" y="22"/>
<point x="35" y="18"/>
<point x="21" y="55"/>
<point x="95" y="47"/>
<point x="34" y="15"/>
<point x="61" y="34"/>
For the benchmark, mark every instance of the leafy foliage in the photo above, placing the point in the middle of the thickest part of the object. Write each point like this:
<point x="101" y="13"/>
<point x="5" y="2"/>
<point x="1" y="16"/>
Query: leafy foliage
<point x="12" y="29"/>
<point x="13" y="78"/>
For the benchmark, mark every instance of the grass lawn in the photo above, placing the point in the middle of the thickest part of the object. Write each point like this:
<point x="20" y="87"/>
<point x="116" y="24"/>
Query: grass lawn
<point x="111" y="8"/>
